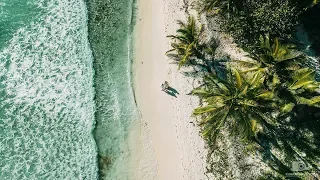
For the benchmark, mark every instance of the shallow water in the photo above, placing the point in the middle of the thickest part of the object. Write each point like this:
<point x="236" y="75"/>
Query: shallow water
<point x="110" y="34"/>
<point x="46" y="91"/>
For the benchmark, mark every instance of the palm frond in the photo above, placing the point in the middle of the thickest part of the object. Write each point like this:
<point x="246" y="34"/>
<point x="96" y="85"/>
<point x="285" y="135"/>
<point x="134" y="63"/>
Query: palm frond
<point x="268" y="95"/>
<point x="213" y="117"/>
<point x="205" y="109"/>
<point x="314" y="101"/>
<point x="275" y="47"/>
<point x="248" y="102"/>
<point x="264" y="42"/>
<point x="201" y="92"/>
<point x="287" y="108"/>
<point x="238" y="78"/>
<point x="303" y="78"/>
<point x="219" y="83"/>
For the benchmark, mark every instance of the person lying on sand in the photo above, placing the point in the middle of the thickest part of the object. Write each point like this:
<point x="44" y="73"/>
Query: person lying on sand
<point x="168" y="89"/>
<point x="163" y="88"/>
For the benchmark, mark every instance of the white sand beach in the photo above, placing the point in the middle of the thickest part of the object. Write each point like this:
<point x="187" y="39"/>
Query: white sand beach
<point x="170" y="145"/>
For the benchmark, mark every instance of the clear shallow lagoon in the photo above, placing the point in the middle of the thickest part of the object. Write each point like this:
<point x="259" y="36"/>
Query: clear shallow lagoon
<point x="54" y="87"/>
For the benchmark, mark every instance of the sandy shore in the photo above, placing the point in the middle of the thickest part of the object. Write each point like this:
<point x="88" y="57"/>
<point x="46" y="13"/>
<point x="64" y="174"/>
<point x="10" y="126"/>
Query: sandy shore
<point x="169" y="144"/>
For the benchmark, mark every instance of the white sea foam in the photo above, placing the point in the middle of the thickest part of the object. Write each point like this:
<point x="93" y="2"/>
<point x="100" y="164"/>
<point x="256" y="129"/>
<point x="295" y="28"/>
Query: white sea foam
<point x="46" y="97"/>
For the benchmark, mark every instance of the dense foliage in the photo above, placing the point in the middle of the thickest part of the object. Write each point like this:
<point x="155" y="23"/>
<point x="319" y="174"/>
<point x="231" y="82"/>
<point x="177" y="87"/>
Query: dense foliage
<point x="245" y="20"/>
<point x="250" y="18"/>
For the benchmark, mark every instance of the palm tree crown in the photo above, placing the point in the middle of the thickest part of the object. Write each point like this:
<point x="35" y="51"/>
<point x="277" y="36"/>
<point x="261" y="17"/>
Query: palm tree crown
<point x="277" y="62"/>
<point x="187" y="41"/>
<point x="236" y="102"/>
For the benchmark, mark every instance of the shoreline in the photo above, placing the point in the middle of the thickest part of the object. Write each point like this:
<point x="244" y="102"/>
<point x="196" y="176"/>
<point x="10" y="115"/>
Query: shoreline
<point x="115" y="104"/>
<point x="169" y="147"/>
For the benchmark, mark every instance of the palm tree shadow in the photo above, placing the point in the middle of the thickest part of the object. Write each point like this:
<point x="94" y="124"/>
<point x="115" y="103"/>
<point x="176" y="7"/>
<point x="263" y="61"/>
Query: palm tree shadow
<point x="291" y="139"/>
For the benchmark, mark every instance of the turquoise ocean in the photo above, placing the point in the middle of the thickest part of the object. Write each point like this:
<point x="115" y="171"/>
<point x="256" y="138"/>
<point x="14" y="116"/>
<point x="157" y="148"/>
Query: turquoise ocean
<point x="66" y="97"/>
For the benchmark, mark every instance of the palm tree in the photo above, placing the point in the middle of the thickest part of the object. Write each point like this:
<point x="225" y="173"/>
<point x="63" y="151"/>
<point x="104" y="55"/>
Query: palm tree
<point x="187" y="46"/>
<point x="302" y="88"/>
<point x="276" y="61"/>
<point x="234" y="102"/>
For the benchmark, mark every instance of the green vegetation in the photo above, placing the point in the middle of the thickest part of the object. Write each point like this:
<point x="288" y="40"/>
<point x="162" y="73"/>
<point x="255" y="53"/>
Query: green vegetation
<point x="188" y="45"/>
<point x="247" y="19"/>
<point x="235" y="102"/>
<point x="187" y="48"/>
<point x="270" y="100"/>
<point x="301" y="88"/>
<point x="276" y="61"/>
<point x="283" y="70"/>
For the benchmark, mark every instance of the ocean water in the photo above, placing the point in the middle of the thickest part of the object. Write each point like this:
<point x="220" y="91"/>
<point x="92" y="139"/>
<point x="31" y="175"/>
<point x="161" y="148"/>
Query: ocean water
<point x="110" y="34"/>
<point x="66" y="100"/>
<point x="46" y="91"/>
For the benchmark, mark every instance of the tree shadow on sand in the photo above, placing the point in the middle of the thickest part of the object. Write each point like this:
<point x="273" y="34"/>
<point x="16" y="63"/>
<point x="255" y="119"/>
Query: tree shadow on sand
<point x="297" y="138"/>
